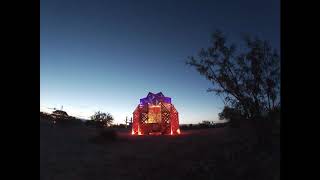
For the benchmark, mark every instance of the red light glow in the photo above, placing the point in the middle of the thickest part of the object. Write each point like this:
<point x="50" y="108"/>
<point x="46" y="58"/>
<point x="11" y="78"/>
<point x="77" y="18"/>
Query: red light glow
<point x="139" y="132"/>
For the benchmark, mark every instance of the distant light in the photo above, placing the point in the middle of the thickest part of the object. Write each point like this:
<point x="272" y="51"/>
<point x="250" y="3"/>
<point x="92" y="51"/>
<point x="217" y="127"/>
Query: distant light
<point x="178" y="131"/>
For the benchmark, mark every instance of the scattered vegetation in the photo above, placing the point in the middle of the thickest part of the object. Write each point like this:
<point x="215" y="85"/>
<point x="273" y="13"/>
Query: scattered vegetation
<point x="203" y="124"/>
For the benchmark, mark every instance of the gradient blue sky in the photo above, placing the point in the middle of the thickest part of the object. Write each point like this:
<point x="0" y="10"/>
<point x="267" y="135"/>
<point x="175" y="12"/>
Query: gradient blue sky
<point x="106" y="55"/>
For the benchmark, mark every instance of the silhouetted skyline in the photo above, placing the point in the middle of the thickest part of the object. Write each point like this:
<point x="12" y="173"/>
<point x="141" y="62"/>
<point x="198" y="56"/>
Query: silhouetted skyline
<point x="106" y="55"/>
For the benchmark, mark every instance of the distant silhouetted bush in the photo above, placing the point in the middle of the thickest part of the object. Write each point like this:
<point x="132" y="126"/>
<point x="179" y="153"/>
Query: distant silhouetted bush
<point x="120" y="126"/>
<point x="203" y="125"/>
<point x="233" y="115"/>
<point x="69" y="121"/>
<point x="45" y="116"/>
<point x="91" y="123"/>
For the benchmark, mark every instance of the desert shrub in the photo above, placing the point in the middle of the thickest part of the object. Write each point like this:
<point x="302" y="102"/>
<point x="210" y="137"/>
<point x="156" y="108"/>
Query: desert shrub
<point x="68" y="121"/>
<point x="95" y="124"/>
<point x="122" y="126"/>
<point x="45" y="116"/>
<point x="205" y="124"/>
<point x="90" y="123"/>
<point x="102" y="119"/>
<point x="233" y="115"/>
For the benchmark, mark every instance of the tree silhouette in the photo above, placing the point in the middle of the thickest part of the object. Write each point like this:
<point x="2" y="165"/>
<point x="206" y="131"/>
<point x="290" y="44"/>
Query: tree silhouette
<point x="103" y="119"/>
<point x="248" y="81"/>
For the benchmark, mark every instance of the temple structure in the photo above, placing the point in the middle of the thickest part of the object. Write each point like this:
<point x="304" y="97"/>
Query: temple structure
<point x="155" y="115"/>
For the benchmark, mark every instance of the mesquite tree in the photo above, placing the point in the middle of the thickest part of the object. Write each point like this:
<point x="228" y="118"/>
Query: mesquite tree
<point x="247" y="80"/>
<point x="103" y="119"/>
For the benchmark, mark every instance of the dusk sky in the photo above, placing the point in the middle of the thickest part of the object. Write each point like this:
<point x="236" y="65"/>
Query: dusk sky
<point x="106" y="55"/>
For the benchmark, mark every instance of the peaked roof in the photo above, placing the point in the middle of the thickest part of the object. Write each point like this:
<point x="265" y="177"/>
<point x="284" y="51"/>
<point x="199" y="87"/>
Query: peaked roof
<point x="159" y="94"/>
<point x="155" y="98"/>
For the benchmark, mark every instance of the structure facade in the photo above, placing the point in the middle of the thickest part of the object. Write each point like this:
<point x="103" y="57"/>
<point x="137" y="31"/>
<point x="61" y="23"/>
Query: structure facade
<point x="155" y="115"/>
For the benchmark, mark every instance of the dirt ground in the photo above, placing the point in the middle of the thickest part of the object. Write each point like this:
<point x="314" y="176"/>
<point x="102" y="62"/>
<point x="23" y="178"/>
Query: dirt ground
<point x="66" y="153"/>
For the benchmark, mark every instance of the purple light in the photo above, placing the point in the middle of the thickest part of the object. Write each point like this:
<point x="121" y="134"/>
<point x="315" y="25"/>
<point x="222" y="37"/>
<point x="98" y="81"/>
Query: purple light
<point x="155" y="98"/>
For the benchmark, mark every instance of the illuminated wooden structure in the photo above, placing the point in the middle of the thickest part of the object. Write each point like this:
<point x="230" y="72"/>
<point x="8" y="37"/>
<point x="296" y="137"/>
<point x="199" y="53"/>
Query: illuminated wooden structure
<point x="155" y="115"/>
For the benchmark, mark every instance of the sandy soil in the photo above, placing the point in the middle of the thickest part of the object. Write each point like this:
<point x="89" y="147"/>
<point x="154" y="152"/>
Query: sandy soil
<point x="221" y="153"/>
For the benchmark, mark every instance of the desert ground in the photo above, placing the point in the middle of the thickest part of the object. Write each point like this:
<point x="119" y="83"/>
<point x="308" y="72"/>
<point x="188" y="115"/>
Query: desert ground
<point x="67" y="153"/>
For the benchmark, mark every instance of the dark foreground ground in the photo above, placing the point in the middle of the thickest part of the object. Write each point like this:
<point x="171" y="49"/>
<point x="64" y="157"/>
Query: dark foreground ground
<point x="66" y="153"/>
